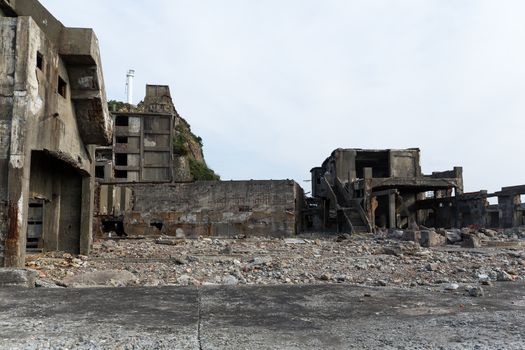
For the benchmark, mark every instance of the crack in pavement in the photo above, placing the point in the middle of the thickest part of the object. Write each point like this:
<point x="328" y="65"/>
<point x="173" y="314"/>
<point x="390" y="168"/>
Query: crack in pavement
<point x="199" y="311"/>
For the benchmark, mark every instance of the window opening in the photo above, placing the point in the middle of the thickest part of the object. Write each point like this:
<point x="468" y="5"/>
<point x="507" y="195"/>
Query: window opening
<point x="121" y="174"/>
<point x="121" y="140"/>
<point x="99" y="172"/>
<point x="40" y="61"/>
<point x="121" y="120"/>
<point x="62" y="87"/>
<point x="121" y="159"/>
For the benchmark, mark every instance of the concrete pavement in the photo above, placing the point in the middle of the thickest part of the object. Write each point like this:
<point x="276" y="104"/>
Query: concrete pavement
<point x="261" y="317"/>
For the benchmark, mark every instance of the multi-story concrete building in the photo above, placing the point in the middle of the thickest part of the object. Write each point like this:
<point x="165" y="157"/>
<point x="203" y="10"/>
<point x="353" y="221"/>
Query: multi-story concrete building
<point x="142" y="148"/>
<point x="52" y="110"/>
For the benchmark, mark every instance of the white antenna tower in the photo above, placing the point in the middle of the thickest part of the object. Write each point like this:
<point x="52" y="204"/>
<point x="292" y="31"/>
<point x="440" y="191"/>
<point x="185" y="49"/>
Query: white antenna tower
<point x="129" y="85"/>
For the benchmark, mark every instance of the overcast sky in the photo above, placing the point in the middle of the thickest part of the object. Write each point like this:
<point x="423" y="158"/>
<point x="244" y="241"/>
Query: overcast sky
<point x="274" y="86"/>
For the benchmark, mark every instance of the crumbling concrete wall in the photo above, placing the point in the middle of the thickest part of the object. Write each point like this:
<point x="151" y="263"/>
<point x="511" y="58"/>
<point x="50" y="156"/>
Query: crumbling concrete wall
<point x="52" y="102"/>
<point x="215" y="208"/>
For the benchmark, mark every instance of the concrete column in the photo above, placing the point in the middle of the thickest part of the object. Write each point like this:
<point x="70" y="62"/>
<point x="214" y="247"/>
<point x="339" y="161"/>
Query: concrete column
<point x="88" y="199"/>
<point x="367" y="174"/>
<point x="506" y="211"/>
<point x="18" y="194"/>
<point x="392" y="210"/>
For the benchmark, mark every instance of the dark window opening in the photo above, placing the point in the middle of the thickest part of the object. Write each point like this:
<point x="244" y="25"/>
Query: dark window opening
<point x="378" y="161"/>
<point x="40" y="61"/>
<point x="245" y="209"/>
<point x="103" y="155"/>
<point x="157" y="224"/>
<point x="121" y="174"/>
<point x="62" y="87"/>
<point x="116" y="226"/>
<point x="121" y="120"/>
<point x="99" y="172"/>
<point x="121" y="159"/>
<point x="121" y="139"/>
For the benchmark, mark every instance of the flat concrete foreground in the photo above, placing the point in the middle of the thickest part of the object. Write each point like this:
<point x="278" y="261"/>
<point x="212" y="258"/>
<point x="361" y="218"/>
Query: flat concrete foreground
<point x="257" y="317"/>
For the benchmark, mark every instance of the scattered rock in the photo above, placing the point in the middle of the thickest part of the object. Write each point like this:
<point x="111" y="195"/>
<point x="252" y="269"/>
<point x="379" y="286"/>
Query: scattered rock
<point x="343" y="237"/>
<point x="471" y="241"/>
<point x="326" y="277"/>
<point x="452" y="286"/>
<point x="230" y="280"/>
<point x="179" y="233"/>
<point x="227" y="250"/>
<point x="431" y="239"/>
<point x="179" y="260"/>
<point x="168" y="241"/>
<point x="414" y="236"/>
<point x="260" y="260"/>
<point x="341" y="278"/>
<point x="453" y="236"/>
<point x="42" y="283"/>
<point x="396" y="234"/>
<point x="503" y="276"/>
<point x="432" y="267"/>
<point x="294" y="241"/>
<point x="475" y="292"/>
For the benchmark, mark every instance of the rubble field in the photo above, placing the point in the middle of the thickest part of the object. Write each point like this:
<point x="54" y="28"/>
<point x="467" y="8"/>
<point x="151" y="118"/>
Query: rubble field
<point x="383" y="259"/>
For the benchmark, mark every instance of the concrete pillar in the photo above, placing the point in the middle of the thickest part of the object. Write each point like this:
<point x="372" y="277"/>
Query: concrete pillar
<point x="506" y="211"/>
<point x="88" y="199"/>
<point x="392" y="210"/>
<point x="367" y="174"/>
<point x="18" y="194"/>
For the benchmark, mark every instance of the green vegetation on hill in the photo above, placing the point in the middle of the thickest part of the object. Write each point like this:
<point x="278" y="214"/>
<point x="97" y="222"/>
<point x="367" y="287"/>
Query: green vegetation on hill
<point x="187" y="144"/>
<point x="200" y="171"/>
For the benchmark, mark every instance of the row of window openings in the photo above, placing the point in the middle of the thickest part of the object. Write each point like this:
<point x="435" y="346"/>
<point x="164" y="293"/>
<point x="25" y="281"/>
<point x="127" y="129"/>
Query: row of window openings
<point x="101" y="174"/>
<point x="61" y="83"/>
<point x="122" y="120"/>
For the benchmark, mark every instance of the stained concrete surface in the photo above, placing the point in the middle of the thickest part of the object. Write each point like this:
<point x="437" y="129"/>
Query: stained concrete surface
<point x="256" y="317"/>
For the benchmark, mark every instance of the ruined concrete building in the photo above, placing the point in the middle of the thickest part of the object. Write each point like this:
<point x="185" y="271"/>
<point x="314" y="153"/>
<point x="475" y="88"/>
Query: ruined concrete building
<point x="53" y="108"/>
<point x="142" y="142"/>
<point x="358" y="190"/>
<point x="361" y="190"/>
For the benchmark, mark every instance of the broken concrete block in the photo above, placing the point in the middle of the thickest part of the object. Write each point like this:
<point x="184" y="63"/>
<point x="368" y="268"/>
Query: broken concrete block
<point x="431" y="239"/>
<point x="169" y="241"/>
<point x="413" y="236"/>
<point x="17" y="278"/>
<point x="505" y="277"/>
<point x="396" y="234"/>
<point x="453" y="236"/>
<point x="488" y="232"/>
<point x="471" y="241"/>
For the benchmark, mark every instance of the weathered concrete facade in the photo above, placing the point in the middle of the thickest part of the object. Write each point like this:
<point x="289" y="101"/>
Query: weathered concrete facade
<point x="142" y="145"/>
<point x="358" y="190"/>
<point x="52" y="107"/>
<point x="206" y="208"/>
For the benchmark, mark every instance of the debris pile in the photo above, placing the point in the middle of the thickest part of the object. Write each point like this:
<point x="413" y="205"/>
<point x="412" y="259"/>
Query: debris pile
<point x="380" y="260"/>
